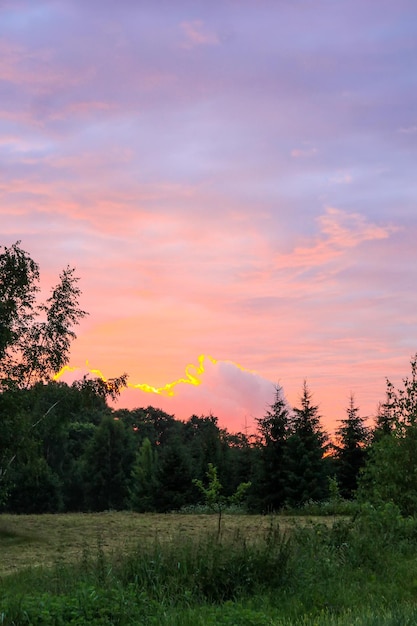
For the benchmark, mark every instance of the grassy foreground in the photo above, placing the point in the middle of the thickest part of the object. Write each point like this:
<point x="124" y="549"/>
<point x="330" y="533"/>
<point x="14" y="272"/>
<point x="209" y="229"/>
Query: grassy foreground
<point x="33" y="540"/>
<point x="122" y="568"/>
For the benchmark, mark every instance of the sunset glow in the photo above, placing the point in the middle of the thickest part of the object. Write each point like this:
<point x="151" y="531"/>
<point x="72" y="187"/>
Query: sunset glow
<point x="234" y="179"/>
<point x="193" y="375"/>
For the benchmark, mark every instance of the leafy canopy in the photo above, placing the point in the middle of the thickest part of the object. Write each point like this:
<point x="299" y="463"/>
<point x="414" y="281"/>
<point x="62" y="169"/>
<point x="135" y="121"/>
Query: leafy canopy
<point x="35" y="338"/>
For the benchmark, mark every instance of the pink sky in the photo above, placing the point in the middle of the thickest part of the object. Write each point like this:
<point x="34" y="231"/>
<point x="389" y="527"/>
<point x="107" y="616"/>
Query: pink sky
<point x="234" y="179"/>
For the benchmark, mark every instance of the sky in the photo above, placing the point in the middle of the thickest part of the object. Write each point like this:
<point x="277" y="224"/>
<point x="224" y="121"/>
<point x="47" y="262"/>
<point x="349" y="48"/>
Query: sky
<point x="235" y="183"/>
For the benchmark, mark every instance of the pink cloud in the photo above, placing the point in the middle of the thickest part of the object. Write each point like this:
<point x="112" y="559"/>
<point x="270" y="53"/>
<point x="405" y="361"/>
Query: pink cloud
<point x="339" y="232"/>
<point x="85" y="109"/>
<point x="341" y="178"/>
<point x="196" y="35"/>
<point x="303" y="152"/>
<point x="348" y="230"/>
<point x="21" y="65"/>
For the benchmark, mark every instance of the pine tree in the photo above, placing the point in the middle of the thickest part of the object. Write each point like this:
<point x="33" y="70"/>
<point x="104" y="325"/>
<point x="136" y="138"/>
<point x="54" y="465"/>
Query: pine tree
<point x="108" y="466"/>
<point x="174" y="476"/>
<point x="384" y="421"/>
<point x="351" y="451"/>
<point x="239" y="460"/>
<point x="306" y="446"/>
<point x="273" y="430"/>
<point x="144" y="479"/>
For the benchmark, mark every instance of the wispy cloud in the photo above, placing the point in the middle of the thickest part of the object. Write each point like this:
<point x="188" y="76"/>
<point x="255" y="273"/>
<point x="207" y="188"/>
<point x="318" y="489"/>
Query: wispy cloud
<point x="409" y="130"/>
<point x="303" y="152"/>
<point x="347" y="230"/>
<point x="339" y="232"/>
<point x="196" y="34"/>
<point x="342" y="178"/>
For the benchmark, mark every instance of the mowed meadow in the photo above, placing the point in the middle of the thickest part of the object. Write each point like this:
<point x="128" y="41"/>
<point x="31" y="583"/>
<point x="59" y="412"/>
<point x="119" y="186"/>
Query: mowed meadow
<point x="40" y="540"/>
<point x="127" y="568"/>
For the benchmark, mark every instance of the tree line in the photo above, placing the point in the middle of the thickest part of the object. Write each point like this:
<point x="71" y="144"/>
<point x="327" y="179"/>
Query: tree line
<point x="63" y="448"/>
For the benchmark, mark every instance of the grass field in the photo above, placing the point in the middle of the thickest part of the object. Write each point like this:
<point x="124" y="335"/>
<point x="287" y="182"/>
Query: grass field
<point x="172" y="570"/>
<point x="32" y="540"/>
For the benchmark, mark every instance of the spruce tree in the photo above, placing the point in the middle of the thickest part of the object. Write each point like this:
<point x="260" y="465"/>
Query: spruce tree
<point x="273" y="430"/>
<point x="384" y="421"/>
<point x="174" y="477"/>
<point x="108" y="465"/>
<point x="306" y="445"/>
<point x="144" y="479"/>
<point x="351" y="451"/>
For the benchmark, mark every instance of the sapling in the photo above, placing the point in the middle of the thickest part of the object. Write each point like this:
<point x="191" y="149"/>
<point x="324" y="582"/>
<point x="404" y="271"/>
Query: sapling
<point x="214" y="499"/>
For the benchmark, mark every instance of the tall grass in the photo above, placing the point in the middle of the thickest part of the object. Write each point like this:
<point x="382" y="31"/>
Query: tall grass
<point x="361" y="571"/>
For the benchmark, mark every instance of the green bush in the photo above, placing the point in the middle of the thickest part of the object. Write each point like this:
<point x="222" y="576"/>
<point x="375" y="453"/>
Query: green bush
<point x="325" y="508"/>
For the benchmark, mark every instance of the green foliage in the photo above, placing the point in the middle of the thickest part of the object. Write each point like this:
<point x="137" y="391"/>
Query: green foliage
<point x="271" y="487"/>
<point x="108" y="466"/>
<point x="19" y="276"/>
<point x="213" y="496"/>
<point x="324" y="508"/>
<point x="350" y="453"/>
<point x="204" y="509"/>
<point x="401" y="403"/>
<point x="36" y="489"/>
<point x="212" y="493"/>
<point x="173" y="476"/>
<point x="390" y="473"/>
<point x="204" y="439"/>
<point x="144" y="479"/>
<point x="150" y="422"/>
<point x="334" y="491"/>
<point x="87" y="604"/>
<point x="34" y="344"/>
<point x="306" y="445"/>
<point x="384" y="421"/>
<point x="95" y="391"/>
<point x="34" y="338"/>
